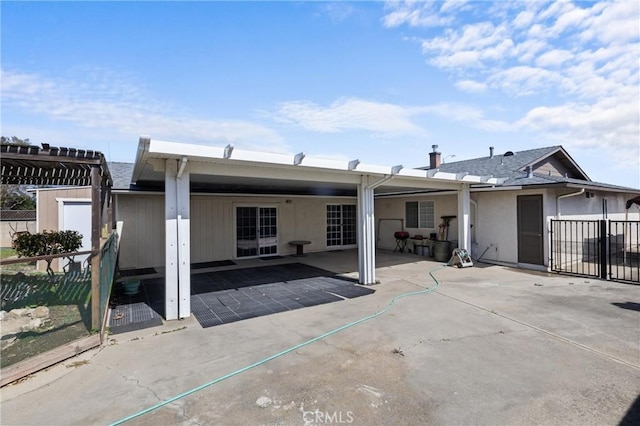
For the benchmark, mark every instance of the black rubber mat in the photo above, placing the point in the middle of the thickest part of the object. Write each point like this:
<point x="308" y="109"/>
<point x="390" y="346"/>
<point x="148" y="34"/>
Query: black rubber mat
<point x="271" y="258"/>
<point x="133" y="316"/>
<point x="214" y="264"/>
<point x="226" y="296"/>
<point x="137" y="272"/>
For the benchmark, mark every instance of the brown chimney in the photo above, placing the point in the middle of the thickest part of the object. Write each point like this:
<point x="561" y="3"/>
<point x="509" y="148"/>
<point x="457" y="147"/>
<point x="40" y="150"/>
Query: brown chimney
<point x="434" y="158"/>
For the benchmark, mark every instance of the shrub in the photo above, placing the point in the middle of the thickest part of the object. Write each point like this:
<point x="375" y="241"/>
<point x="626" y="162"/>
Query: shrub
<point x="47" y="243"/>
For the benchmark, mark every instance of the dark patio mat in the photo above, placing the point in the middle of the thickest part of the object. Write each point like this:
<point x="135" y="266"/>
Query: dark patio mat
<point x="134" y="316"/>
<point x="138" y="311"/>
<point x="137" y="272"/>
<point x="214" y="264"/>
<point x="227" y="296"/>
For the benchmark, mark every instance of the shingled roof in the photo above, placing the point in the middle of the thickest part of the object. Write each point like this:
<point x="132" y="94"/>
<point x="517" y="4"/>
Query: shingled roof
<point x="513" y="167"/>
<point x="121" y="174"/>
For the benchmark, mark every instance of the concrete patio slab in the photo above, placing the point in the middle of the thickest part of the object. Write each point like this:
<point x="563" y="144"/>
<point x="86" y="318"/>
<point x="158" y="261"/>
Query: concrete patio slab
<point x="491" y="345"/>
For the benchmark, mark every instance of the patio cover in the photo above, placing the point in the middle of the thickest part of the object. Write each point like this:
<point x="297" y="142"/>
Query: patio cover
<point x="183" y="167"/>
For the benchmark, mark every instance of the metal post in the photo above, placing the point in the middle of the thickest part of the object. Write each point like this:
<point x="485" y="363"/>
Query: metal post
<point x="551" y="245"/>
<point x="95" y="248"/>
<point x="603" y="249"/>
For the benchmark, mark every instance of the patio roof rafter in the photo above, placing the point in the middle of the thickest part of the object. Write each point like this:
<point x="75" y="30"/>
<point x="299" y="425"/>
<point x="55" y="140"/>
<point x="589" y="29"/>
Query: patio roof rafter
<point x="32" y="165"/>
<point x="228" y="161"/>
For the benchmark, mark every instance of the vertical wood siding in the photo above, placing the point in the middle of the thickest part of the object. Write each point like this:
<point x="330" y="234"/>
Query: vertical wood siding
<point x="213" y="226"/>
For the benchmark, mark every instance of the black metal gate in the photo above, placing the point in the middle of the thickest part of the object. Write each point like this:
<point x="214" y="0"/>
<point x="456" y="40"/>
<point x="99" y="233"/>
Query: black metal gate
<point x="624" y="251"/>
<point x="576" y="247"/>
<point x="606" y="249"/>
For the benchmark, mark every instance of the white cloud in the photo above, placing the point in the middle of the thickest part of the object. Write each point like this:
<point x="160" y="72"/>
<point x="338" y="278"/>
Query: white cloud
<point x="523" y="80"/>
<point x="337" y="11"/>
<point x="378" y="118"/>
<point x="553" y="58"/>
<point x="608" y="123"/>
<point x="576" y="63"/>
<point x="471" y="86"/>
<point x="524" y="19"/>
<point x="414" y="14"/>
<point x="615" y="22"/>
<point x="468" y="115"/>
<point x="453" y="5"/>
<point x="113" y="104"/>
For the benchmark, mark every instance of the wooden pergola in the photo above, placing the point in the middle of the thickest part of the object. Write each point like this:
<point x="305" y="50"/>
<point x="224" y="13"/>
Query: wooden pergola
<point x="32" y="165"/>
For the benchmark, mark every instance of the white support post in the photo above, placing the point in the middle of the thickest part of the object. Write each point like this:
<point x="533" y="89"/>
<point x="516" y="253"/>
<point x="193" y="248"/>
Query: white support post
<point x="366" y="234"/>
<point x="184" y="242"/>
<point x="464" y="214"/>
<point x="171" y="239"/>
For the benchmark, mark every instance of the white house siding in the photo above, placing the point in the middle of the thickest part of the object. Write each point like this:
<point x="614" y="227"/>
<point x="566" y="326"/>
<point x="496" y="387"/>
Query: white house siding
<point x="213" y="225"/>
<point x="496" y="227"/>
<point x="394" y="208"/>
<point x="580" y="207"/>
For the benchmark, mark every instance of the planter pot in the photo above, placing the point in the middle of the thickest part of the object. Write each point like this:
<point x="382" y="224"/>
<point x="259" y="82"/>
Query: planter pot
<point x="442" y="251"/>
<point x="131" y="287"/>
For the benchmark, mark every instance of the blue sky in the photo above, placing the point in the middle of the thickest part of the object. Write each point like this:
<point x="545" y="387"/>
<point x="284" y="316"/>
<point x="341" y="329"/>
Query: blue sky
<point x="377" y="81"/>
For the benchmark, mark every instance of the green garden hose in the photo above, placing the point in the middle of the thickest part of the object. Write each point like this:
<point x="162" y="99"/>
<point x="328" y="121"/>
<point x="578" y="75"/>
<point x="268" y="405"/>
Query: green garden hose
<point x="284" y="352"/>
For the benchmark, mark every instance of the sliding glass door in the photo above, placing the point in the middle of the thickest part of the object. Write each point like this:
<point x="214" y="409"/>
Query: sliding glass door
<point x="256" y="231"/>
<point x="341" y="225"/>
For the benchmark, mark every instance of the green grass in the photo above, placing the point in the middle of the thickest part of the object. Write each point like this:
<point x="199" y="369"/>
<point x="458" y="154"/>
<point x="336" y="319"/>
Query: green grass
<point x="21" y="290"/>
<point x="6" y="252"/>
<point x="68" y="297"/>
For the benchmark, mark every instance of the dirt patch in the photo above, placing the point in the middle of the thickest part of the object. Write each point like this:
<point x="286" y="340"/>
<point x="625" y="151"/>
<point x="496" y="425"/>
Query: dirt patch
<point x="65" y="325"/>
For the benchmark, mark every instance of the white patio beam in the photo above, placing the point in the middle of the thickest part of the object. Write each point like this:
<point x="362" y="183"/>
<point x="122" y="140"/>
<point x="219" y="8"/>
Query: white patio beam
<point x="171" y="239"/>
<point x="464" y="215"/>
<point x="183" y="164"/>
<point x="366" y="226"/>
<point x="184" y="240"/>
<point x="366" y="232"/>
<point x="177" y="240"/>
<point x="334" y="170"/>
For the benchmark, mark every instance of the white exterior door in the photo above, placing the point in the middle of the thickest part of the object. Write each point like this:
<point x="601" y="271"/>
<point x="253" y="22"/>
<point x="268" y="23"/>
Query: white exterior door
<point x="75" y="215"/>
